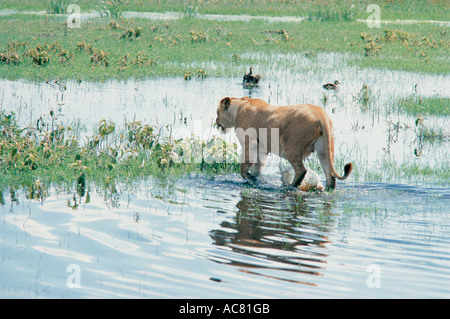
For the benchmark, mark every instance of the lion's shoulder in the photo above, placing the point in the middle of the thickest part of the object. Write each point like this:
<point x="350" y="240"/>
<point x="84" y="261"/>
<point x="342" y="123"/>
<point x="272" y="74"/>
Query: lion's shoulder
<point x="255" y="102"/>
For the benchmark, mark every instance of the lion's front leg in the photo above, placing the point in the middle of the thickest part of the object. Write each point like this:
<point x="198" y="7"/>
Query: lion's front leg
<point x="248" y="166"/>
<point x="245" y="172"/>
<point x="250" y="171"/>
<point x="249" y="156"/>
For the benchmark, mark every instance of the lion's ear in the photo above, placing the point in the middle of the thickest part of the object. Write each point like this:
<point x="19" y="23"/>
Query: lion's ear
<point x="225" y="102"/>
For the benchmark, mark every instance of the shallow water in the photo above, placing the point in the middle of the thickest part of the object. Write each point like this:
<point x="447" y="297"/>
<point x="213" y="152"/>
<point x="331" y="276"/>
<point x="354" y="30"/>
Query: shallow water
<point x="372" y="131"/>
<point x="218" y="237"/>
<point x="205" y="238"/>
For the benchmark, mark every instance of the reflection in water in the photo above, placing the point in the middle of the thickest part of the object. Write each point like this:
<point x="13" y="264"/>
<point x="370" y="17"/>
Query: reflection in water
<point x="276" y="232"/>
<point x="251" y="90"/>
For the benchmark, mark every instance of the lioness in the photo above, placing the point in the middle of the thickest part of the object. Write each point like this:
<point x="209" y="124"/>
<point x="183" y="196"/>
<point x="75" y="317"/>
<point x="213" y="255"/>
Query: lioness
<point x="292" y="132"/>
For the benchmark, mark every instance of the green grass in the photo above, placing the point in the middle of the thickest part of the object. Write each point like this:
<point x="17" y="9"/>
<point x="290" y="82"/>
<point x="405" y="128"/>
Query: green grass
<point x="416" y="105"/>
<point x="39" y="48"/>
<point x="415" y="171"/>
<point x="337" y="10"/>
<point x="408" y="171"/>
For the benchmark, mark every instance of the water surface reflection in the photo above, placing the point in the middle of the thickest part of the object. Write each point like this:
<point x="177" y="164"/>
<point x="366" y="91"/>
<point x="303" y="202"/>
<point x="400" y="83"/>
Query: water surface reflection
<point x="274" y="232"/>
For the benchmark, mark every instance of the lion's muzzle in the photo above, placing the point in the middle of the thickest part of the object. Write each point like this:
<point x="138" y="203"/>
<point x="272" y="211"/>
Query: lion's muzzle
<point x="219" y="126"/>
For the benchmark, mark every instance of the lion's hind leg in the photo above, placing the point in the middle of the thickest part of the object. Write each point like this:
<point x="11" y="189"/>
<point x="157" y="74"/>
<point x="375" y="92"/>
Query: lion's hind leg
<point x="325" y="159"/>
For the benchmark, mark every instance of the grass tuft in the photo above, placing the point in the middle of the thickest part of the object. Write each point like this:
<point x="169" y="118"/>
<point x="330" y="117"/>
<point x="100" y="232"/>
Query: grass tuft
<point x="52" y="153"/>
<point x="416" y="105"/>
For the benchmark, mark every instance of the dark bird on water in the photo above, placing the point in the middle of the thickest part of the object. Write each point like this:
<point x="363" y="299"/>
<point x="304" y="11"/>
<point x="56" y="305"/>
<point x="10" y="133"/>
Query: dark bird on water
<point x="331" y="86"/>
<point x="250" y="78"/>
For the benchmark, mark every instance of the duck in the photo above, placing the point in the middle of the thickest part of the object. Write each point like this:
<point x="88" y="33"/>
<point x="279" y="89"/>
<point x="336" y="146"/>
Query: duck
<point x="250" y="78"/>
<point x="331" y="86"/>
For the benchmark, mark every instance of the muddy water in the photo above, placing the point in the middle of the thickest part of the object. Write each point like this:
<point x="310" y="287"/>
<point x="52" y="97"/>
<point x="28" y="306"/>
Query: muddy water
<point x="218" y="237"/>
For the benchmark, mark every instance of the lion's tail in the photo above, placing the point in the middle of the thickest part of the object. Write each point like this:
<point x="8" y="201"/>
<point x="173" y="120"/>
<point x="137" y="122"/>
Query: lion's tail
<point x="347" y="170"/>
<point x="329" y="137"/>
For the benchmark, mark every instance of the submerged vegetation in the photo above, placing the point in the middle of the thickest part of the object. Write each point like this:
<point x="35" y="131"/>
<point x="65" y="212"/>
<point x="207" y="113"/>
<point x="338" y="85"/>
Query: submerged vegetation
<point x="423" y="109"/>
<point x="416" y="105"/>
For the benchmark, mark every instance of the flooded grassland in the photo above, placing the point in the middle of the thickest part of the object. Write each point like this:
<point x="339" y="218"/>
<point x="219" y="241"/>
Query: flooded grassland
<point x="92" y="206"/>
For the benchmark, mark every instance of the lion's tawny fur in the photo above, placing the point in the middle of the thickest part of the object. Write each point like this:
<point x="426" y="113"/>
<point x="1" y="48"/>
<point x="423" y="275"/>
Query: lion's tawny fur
<point x="302" y="129"/>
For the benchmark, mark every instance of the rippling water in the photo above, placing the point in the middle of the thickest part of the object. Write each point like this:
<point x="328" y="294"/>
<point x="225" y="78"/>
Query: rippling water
<point x="218" y="238"/>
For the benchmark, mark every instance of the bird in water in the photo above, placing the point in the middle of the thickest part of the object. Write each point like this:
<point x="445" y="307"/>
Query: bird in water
<point x="331" y="86"/>
<point x="250" y="78"/>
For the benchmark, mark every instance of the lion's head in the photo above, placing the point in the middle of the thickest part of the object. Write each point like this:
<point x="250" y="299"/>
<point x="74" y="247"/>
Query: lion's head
<point x="226" y="113"/>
